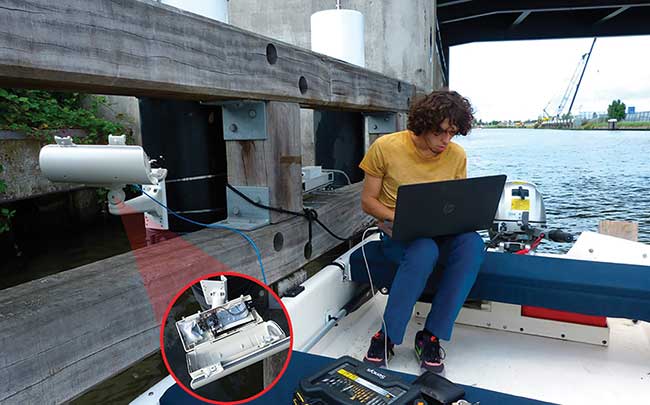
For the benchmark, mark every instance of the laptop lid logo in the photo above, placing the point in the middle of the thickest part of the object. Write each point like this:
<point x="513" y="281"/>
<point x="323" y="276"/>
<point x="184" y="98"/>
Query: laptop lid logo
<point x="448" y="208"/>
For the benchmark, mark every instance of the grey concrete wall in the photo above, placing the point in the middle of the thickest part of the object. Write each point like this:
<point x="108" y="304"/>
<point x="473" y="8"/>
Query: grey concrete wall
<point x="122" y="109"/>
<point x="397" y="39"/>
<point x="126" y="110"/>
<point x="396" y="31"/>
<point x="22" y="174"/>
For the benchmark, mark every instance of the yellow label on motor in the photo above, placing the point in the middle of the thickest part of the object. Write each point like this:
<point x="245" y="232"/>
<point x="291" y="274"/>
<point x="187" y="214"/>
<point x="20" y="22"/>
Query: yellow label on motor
<point x="520" y="205"/>
<point x="348" y="374"/>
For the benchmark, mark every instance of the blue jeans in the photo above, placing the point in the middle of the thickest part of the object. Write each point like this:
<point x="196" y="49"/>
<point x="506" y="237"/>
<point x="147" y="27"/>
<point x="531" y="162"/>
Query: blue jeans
<point x="461" y="255"/>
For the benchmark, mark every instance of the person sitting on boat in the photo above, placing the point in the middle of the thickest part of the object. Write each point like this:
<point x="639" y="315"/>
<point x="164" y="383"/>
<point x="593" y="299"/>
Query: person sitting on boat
<point x="423" y="153"/>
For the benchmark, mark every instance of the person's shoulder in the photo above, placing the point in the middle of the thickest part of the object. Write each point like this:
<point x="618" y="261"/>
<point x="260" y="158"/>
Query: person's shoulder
<point x="456" y="150"/>
<point x="396" y="139"/>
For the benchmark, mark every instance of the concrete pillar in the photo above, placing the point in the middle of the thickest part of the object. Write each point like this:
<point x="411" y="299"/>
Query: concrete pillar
<point x="121" y="109"/>
<point x="125" y="110"/>
<point x="399" y="39"/>
<point x="399" y="34"/>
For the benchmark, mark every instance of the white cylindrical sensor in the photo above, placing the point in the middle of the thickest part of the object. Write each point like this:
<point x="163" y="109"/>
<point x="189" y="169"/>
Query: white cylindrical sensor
<point x="339" y="34"/>
<point x="215" y="9"/>
<point x="96" y="164"/>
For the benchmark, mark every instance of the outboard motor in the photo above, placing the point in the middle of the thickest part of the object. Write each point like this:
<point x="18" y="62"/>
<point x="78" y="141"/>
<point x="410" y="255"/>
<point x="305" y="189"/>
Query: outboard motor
<point x="520" y="221"/>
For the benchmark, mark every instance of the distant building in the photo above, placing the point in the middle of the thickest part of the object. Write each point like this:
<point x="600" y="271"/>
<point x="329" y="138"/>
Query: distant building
<point x="631" y="110"/>
<point x="638" y="116"/>
<point x="588" y="115"/>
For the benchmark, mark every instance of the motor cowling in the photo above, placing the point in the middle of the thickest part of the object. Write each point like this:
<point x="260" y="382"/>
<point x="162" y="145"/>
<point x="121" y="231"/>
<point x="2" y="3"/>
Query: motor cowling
<point x="520" y="214"/>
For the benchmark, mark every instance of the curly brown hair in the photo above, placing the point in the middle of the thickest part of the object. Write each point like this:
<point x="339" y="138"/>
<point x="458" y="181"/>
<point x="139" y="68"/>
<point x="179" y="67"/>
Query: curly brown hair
<point x="427" y="113"/>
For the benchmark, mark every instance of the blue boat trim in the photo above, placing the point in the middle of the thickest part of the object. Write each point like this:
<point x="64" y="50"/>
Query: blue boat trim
<point x="587" y="287"/>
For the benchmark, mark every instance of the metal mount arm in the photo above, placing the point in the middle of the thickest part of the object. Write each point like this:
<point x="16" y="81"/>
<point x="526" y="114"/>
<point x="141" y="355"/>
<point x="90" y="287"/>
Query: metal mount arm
<point x="155" y="216"/>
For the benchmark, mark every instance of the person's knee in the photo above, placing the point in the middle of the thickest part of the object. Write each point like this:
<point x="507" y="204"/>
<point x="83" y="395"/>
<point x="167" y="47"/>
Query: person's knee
<point x="424" y="250"/>
<point x="472" y="242"/>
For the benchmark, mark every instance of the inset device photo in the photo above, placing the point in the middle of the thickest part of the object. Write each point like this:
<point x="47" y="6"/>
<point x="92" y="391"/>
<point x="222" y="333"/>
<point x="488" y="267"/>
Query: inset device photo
<point x="226" y="338"/>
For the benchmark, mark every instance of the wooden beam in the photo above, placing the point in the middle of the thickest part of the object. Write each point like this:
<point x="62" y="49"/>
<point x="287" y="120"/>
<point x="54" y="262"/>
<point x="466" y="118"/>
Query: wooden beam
<point x="144" y="48"/>
<point x="274" y="162"/>
<point x="64" y="333"/>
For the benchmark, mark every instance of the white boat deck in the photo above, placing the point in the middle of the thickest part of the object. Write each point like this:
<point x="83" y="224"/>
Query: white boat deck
<point x="546" y="369"/>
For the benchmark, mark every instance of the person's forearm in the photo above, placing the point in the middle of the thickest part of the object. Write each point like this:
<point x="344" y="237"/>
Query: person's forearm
<point x="372" y="206"/>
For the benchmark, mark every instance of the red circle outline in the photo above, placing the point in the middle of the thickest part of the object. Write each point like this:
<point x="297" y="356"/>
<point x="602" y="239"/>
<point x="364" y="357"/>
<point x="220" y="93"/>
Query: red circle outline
<point x="164" y="322"/>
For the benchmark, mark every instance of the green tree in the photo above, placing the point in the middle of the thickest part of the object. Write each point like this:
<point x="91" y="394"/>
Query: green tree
<point x="616" y="110"/>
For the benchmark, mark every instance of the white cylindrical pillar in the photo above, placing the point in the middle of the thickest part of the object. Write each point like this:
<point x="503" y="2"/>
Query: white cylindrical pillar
<point x="215" y="9"/>
<point x="339" y="34"/>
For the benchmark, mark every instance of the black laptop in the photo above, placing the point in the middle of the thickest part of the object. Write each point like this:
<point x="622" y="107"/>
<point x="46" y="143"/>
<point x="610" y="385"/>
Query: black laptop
<point x="451" y="207"/>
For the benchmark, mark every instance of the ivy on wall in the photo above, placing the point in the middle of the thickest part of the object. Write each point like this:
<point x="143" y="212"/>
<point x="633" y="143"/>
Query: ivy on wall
<point x="39" y="114"/>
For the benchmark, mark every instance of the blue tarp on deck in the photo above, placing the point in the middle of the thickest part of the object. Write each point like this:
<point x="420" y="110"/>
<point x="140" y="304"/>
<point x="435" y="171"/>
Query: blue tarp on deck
<point x="305" y="365"/>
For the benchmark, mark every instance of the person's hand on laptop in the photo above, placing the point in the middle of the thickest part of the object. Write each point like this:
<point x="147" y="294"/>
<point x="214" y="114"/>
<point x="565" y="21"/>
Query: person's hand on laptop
<point x="386" y="227"/>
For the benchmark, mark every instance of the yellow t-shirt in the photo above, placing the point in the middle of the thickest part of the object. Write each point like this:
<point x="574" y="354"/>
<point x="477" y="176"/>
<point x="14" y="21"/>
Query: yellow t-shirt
<point x="395" y="159"/>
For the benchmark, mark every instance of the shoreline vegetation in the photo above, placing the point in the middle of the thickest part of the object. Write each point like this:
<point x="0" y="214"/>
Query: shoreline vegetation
<point x="620" y="126"/>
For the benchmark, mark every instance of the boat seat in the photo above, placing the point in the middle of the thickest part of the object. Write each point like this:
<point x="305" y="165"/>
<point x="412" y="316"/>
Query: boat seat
<point x="586" y="287"/>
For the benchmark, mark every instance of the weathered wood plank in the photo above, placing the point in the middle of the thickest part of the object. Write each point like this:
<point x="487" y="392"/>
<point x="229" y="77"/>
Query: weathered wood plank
<point x="621" y="229"/>
<point x="62" y="334"/>
<point x="285" y="174"/>
<point x="272" y="366"/>
<point x="275" y="162"/>
<point x="144" y="48"/>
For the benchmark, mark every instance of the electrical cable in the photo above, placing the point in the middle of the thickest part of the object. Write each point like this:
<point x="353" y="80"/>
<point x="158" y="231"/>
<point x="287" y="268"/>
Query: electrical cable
<point x="310" y="214"/>
<point x="214" y="226"/>
<point x="339" y="172"/>
<point x="373" y="292"/>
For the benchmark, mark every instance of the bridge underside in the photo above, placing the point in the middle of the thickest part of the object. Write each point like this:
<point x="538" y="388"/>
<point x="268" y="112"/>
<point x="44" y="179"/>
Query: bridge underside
<point x="464" y="21"/>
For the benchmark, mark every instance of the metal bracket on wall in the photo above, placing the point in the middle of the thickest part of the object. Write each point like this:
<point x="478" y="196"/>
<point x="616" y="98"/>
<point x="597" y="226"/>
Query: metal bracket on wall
<point x="243" y="215"/>
<point x="383" y="123"/>
<point x="244" y="120"/>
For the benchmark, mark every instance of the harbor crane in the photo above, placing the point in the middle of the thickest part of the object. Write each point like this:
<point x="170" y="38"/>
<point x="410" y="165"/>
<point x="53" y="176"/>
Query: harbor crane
<point x="573" y="87"/>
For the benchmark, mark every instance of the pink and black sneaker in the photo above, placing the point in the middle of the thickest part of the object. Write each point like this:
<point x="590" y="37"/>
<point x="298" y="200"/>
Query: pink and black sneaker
<point x="377" y="355"/>
<point x="429" y="352"/>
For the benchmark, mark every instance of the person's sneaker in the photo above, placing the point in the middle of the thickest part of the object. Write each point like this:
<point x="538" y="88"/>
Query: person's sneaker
<point x="377" y="355"/>
<point x="429" y="352"/>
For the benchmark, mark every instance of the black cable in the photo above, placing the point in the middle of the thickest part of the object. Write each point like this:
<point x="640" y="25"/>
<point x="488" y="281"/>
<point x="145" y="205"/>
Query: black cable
<point x="308" y="213"/>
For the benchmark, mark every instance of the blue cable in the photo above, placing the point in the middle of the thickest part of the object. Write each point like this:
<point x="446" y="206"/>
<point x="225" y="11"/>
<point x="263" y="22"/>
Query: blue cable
<point x="215" y="226"/>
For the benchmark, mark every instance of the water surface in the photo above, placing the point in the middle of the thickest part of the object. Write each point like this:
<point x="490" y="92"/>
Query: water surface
<point x="584" y="176"/>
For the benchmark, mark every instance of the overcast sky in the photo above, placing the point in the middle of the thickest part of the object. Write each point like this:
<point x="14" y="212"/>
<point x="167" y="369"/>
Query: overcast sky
<point x="516" y="79"/>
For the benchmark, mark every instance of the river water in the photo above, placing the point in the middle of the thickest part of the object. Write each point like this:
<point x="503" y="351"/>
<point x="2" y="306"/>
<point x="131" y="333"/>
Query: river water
<point x="584" y="176"/>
